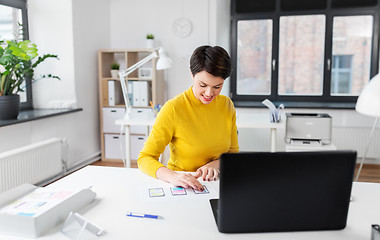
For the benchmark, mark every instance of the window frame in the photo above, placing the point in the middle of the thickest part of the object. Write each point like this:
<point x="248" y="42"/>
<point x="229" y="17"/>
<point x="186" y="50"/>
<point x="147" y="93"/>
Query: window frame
<point x="327" y="100"/>
<point x="22" y="5"/>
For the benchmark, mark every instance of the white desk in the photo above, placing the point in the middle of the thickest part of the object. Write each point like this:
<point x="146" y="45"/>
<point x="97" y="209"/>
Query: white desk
<point x="243" y="120"/>
<point x="253" y="120"/>
<point x="118" y="192"/>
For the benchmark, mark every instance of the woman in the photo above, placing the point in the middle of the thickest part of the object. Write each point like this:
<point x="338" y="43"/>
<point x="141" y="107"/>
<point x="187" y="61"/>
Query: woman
<point x="198" y="124"/>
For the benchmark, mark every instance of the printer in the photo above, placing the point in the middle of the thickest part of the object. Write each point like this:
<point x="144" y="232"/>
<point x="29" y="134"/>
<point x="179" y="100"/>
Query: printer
<point x="308" y="129"/>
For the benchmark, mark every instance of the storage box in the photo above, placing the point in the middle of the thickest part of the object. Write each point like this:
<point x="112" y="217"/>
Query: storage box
<point x="110" y="115"/>
<point x="139" y="129"/>
<point x="30" y="211"/>
<point x="137" y="143"/>
<point x="114" y="146"/>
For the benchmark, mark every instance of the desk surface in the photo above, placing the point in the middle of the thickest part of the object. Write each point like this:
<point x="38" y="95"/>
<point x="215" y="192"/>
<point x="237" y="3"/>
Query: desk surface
<point x="118" y="192"/>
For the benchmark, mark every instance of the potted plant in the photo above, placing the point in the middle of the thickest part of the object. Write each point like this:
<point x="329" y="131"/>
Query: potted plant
<point x="15" y="67"/>
<point x="149" y="40"/>
<point x="115" y="70"/>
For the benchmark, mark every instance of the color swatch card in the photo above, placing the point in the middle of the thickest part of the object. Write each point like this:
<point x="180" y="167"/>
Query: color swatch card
<point x="156" y="192"/>
<point x="205" y="191"/>
<point x="176" y="191"/>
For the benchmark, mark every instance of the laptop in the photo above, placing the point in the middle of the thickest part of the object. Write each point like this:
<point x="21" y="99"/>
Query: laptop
<point x="284" y="191"/>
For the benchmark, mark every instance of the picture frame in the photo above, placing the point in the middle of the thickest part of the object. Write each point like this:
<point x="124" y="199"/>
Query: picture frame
<point x="145" y="73"/>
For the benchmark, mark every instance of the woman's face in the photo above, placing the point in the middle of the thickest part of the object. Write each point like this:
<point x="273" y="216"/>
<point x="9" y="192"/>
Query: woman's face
<point x="206" y="86"/>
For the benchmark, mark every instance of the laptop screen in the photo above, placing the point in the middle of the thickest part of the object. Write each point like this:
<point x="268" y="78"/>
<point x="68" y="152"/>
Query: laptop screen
<point x="285" y="191"/>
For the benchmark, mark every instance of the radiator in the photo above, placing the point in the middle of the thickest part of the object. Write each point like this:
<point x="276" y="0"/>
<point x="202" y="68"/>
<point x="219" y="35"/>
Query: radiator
<point x="357" y="139"/>
<point x="34" y="163"/>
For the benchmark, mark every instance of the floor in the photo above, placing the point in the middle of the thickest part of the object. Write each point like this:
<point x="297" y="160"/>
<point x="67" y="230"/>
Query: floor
<point x="369" y="173"/>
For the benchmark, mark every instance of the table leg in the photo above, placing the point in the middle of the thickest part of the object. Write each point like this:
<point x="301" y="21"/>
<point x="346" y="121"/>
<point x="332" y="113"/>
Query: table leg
<point x="127" y="147"/>
<point x="273" y="139"/>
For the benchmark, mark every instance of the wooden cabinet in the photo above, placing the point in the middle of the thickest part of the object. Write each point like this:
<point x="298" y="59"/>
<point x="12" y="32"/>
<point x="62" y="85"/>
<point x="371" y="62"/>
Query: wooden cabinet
<point x="144" y="85"/>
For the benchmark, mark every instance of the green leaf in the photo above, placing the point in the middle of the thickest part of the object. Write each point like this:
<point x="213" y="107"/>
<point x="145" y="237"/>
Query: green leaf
<point x="24" y="50"/>
<point x="29" y="48"/>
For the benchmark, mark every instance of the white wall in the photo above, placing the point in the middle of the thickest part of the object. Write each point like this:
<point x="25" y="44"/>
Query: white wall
<point x="131" y="20"/>
<point x="74" y="30"/>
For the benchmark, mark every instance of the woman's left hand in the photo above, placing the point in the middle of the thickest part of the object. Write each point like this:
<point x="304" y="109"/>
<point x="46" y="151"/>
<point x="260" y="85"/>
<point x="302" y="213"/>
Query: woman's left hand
<point x="209" y="172"/>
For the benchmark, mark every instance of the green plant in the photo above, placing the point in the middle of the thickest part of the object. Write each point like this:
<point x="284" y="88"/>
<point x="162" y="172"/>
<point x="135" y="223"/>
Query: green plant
<point x="17" y="66"/>
<point x="115" y="66"/>
<point x="150" y="36"/>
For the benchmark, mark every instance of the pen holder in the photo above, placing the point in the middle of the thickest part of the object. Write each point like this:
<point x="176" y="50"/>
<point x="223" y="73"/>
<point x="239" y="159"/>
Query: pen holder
<point x="274" y="113"/>
<point x="156" y="109"/>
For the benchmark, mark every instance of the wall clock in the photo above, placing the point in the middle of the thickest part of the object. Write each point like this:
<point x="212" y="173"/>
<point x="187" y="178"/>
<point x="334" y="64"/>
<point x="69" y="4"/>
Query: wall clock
<point x="182" y="27"/>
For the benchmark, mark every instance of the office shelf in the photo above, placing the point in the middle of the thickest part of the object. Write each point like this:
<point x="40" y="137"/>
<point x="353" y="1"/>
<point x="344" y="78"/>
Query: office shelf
<point x="110" y="112"/>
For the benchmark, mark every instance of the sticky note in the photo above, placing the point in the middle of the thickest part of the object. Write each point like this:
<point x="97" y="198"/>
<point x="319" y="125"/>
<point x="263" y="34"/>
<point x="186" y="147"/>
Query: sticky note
<point x="205" y="190"/>
<point x="178" y="191"/>
<point x="156" y="192"/>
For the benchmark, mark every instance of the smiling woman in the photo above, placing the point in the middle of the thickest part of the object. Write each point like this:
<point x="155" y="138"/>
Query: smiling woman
<point x="198" y="125"/>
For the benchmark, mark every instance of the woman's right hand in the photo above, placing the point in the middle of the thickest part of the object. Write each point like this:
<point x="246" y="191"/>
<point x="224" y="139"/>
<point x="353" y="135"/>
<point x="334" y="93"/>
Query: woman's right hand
<point x="185" y="180"/>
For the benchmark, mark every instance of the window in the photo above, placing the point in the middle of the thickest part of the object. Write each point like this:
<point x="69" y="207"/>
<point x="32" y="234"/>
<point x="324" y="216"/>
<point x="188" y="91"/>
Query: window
<point x="9" y="19"/>
<point x="301" y="53"/>
<point x="351" y="51"/>
<point x="317" y="53"/>
<point x="13" y="13"/>
<point x="254" y="57"/>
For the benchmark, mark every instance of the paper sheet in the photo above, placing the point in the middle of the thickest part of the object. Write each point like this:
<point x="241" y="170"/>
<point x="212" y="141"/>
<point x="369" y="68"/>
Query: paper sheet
<point x="275" y="113"/>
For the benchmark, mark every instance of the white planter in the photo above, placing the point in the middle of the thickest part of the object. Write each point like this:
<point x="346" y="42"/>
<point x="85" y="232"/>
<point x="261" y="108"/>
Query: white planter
<point x="115" y="73"/>
<point x="150" y="43"/>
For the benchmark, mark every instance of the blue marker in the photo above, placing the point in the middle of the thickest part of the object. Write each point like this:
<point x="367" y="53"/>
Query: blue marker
<point x="142" y="215"/>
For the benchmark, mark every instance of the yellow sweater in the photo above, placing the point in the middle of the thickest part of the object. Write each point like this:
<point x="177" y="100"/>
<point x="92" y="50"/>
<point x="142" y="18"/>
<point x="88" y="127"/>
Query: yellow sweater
<point x="197" y="133"/>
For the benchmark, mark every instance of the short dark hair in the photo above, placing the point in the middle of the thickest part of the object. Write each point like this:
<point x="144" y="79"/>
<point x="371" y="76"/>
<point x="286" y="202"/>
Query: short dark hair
<point x="214" y="60"/>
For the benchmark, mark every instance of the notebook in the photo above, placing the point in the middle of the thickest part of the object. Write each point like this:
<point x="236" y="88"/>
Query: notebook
<point x="284" y="191"/>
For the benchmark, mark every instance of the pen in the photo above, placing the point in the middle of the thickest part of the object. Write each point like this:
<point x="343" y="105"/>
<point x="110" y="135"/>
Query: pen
<point x="142" y="215"/>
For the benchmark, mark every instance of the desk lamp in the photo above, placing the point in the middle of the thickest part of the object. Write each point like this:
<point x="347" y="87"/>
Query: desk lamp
<point x="163" y="62"/>
<point x="369" y="104"/>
